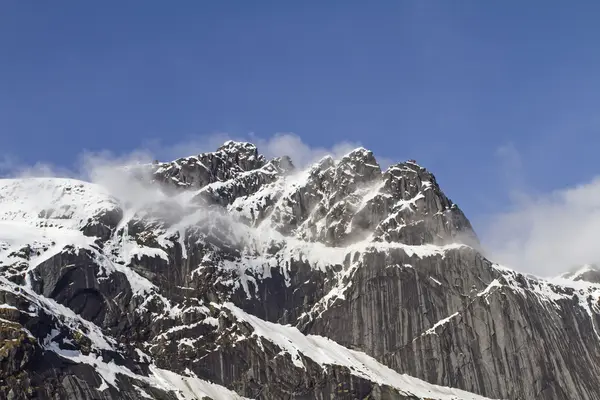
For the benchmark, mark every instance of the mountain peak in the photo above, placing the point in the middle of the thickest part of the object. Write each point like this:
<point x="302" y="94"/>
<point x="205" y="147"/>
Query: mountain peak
<point x="587" y="273"/>
<point x="245" y="152"/>
<point x="232" y="146"/>
<point x="360" y="154"/>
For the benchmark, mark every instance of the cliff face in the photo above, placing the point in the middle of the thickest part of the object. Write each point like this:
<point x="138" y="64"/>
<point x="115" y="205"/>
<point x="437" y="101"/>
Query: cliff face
<point x="229" y="275"/>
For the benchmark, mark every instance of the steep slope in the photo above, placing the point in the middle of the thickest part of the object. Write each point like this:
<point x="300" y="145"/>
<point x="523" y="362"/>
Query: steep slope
<point x="230" y="273"/>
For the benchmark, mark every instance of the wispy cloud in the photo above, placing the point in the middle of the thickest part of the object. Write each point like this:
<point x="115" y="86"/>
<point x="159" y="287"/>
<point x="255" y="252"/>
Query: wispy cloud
<point x="12" y="167"/>
<point x="513" y="174"/>
<point x="7" y="162"/>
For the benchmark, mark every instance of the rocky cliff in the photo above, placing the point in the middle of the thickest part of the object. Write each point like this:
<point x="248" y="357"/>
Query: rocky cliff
<point x="228" y="275"/>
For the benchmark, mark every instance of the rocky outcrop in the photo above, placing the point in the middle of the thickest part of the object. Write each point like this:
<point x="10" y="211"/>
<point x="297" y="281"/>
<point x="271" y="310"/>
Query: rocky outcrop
<point x="238" y="276"/>
<point x="228" y="162"/>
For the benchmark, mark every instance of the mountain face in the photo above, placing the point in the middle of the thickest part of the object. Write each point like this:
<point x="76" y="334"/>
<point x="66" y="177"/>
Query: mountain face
<point x="227" y="275"/>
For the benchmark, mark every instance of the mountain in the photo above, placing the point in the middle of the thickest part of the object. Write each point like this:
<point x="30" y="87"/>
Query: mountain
<point x="587" y="272"/>
<point x="229" y="275"/>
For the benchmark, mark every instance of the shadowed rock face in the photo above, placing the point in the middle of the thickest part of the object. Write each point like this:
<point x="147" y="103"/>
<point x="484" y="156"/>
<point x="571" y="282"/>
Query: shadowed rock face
<point x="244" y="266"/>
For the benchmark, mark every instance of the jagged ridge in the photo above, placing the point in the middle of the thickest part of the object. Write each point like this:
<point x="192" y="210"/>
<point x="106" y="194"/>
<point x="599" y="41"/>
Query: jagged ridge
<point x="163" y="293"/>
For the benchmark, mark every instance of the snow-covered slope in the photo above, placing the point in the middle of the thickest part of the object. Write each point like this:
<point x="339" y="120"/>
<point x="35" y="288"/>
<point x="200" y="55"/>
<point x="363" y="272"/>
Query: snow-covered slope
<point x="48" y="209"/>
<point x="43" y="202"/>
<point x="40" y="216"/>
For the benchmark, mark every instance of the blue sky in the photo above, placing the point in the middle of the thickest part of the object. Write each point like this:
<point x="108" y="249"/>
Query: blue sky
<point x="493" y="97"/>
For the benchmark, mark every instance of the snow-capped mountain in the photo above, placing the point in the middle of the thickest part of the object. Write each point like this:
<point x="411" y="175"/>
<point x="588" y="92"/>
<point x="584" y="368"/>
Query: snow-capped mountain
<point x="228" y="275"/>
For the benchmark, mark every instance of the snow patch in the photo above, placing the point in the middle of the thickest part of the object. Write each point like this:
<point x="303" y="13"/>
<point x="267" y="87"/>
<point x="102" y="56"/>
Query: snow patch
<point x="325" y="351"/>
<point x="190" y="388"/>
<point x="442" y="322"/>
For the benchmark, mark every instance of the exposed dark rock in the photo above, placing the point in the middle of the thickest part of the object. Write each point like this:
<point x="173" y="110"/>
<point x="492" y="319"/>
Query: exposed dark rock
<point x="139" y="302"/>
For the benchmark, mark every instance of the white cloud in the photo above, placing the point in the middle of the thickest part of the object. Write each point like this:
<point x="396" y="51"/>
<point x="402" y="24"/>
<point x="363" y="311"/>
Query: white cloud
<point x="545" y="234"/>
<point x="115" y="173"/>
